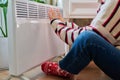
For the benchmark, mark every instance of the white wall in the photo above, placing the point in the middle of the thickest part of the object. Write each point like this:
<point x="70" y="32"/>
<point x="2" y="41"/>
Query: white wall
<point x="3" y="44"/>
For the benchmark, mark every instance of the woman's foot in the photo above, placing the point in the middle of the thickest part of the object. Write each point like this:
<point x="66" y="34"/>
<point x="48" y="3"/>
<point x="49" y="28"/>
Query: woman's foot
<point x="53" y="68"/>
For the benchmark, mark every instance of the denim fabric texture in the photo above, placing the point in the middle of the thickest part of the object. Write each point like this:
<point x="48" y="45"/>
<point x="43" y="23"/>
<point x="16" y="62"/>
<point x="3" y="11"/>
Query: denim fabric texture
<point x="90" y="46"/>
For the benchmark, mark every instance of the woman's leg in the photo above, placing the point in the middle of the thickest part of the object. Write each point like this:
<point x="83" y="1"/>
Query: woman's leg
<point x="90" y="46"/>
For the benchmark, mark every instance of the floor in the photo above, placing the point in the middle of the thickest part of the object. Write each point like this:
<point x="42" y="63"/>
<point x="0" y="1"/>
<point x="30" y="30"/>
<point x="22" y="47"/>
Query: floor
<point x="91" y="72"/>
<point x="5" y="76"/>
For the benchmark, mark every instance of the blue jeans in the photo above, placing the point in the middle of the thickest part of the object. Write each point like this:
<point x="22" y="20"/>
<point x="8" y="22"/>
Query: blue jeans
<point x="90" y="46"/>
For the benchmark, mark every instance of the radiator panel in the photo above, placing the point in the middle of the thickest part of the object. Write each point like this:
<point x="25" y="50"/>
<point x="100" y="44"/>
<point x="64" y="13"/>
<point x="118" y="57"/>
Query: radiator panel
<point x="31" y="39"/>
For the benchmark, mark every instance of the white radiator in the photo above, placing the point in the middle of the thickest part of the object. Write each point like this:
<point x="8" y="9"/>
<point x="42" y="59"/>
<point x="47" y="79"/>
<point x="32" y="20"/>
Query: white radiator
<point x="30" y="37"/>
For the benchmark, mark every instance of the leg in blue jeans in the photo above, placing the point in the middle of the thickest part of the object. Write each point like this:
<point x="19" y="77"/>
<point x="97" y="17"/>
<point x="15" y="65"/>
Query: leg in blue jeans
<point x="90" y="46"/>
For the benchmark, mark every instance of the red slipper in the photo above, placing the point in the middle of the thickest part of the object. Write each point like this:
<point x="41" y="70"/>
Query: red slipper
<point x="54" y="69"/>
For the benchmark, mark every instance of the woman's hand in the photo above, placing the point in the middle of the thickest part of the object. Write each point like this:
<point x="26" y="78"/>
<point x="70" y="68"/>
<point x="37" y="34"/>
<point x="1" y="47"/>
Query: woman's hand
<point x="55" y="14"/>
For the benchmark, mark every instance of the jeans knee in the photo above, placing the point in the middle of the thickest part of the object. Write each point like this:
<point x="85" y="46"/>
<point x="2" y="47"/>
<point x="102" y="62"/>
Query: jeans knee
<point x="85" y="38"/>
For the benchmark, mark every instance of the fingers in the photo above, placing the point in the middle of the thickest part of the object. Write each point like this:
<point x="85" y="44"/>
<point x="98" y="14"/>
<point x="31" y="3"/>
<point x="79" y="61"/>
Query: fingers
<point x="59" y="15"/>
<point x="52" y="14"/>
